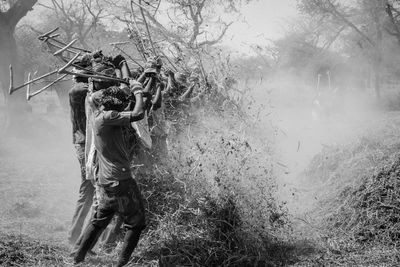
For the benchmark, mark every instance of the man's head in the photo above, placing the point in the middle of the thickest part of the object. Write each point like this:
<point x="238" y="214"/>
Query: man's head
<point x="159" y="63"/>
<point x="153" y="65"/>
<point x="136" y="72"/>
<point x="103" y="64"/>
<point x="112" y="98"/>
<point x="84" y="60"/>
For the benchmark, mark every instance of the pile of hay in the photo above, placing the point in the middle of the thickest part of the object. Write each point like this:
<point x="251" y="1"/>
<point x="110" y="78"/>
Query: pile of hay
<point x="211" y="201"/>
<point x="359" y="187"/>
<point x="370" y="212"/>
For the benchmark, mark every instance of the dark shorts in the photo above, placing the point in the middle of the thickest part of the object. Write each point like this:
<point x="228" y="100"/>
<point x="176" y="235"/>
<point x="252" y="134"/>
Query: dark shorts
<point x="124" y="199"/>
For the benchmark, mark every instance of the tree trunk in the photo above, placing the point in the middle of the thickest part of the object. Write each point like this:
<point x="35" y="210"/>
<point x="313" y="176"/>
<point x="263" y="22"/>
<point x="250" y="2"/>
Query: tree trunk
<point x="378" y="48"/>
<point x="16" y="106"/>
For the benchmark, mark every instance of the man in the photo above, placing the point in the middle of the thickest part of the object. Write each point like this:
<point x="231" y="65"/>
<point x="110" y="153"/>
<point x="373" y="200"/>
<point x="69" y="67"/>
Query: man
<point x="113" y="67"/>
<point x="118" y="191"/>
<point x="77" y="97"/>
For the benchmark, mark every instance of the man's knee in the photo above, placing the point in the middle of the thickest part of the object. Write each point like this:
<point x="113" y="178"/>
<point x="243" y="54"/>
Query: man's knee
<point x="135" y="221"/>
<point x="102" y="218"/>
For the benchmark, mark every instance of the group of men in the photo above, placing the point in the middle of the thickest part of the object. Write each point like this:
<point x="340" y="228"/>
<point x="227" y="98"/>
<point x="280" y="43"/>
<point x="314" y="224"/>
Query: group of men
<point x="104" y="114"/>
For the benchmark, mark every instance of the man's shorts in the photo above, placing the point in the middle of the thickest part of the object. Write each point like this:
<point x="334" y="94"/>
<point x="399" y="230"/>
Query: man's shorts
<point x="124" y="198"/>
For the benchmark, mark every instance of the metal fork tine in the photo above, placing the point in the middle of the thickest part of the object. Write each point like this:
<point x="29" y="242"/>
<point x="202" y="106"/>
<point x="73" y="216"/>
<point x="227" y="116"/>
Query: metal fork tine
<point x="29" y="95"/>
<point x="94" y="74"/>
<point x="61" y="44"/>
<point x="72" y="47"/>
<point x="65" y="48"/>
<point x="47" y="34"/>
<point x="69" y="63"/>
<point x="28" y="88"/>
<point x="49" y="44"/>
<point x="54" y="36"/>
<point x="12" y="89"/>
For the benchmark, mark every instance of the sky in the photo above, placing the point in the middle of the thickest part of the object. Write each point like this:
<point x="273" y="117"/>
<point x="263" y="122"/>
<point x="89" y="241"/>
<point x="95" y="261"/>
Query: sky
<point x="261" y="20"/>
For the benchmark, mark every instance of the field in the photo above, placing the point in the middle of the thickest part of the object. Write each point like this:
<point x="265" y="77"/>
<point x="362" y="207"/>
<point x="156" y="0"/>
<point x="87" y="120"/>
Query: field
<point x="236" y="201"/>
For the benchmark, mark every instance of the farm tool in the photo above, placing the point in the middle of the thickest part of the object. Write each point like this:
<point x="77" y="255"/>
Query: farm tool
<point x="64" y="71"/>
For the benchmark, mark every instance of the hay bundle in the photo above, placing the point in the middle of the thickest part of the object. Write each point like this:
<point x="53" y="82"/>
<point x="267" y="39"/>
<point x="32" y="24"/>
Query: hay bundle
<point x="371" y="212"/>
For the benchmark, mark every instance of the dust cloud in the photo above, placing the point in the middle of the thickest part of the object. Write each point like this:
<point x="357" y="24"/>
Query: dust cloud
<point x="307" y="119"/>
<point x="40" y="173"/>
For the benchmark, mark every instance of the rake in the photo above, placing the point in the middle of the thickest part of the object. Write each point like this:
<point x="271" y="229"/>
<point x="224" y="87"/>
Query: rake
<point x="46" y="37"/>
<point x="63" y="70"/>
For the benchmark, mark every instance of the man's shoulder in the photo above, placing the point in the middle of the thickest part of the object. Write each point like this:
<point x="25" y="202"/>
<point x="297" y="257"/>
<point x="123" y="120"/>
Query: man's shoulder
<point x="98" y="115"/>
<point x="110" y="114"/>
<point x="112" y="117"/>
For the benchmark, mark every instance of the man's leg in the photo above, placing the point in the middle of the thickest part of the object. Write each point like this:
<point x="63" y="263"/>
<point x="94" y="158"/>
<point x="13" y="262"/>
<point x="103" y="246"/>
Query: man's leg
<point x="112" y="236"/>
<point x="89" y="236"/>
<point x="85" y="198"/>
<point x="99" y="222"/>
<point x="134" y="220"/>
<point x="80" y="239"/>
<point x="131" y="240"/>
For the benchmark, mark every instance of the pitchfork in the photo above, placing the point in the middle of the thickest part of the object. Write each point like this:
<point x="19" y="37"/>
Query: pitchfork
<point x="63" y="70"/>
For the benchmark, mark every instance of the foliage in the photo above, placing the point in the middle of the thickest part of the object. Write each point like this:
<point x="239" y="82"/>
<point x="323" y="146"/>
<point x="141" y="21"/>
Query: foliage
<point x="211" y="201"/>
<point x="358" y="189"/>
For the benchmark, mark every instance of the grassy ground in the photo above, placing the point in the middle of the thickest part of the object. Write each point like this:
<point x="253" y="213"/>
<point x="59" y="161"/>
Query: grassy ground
<point x="39" y="179"/>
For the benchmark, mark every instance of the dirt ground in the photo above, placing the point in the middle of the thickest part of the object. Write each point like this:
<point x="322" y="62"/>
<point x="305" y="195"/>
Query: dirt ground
<point x="39" y="181"/>
<point x="39" y="178"/>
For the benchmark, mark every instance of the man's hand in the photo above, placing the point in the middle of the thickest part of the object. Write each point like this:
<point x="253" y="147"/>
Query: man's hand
<point x="124" y="87"/>
<point x="118" y="60"/>
<point x="135" y="85"/>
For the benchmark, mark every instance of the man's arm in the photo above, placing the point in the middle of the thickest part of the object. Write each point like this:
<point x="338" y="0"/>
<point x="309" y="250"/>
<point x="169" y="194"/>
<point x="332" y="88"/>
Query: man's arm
<point x="116" y="118"/>
<point x="121" y="66"/>
<point x="142" y="77"/>
<point x="137" y="113"/>
<point x="157" y="98"/>
<point x="149" y="84"/>
<point x="126" y="72"/>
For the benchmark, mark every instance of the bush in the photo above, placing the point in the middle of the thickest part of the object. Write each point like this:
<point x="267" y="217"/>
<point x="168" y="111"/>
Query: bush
<point x="211" y="201"/>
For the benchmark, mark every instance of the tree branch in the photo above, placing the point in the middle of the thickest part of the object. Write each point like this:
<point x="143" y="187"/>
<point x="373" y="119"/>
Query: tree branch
<point x="333" y="10"/>
<point x="216" y="40"/>
<point x="18" y="11"/>
<point x="389" y="11"/>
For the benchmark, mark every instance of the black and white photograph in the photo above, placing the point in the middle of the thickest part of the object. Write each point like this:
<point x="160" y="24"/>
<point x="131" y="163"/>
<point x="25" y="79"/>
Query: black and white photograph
<point x="204" y="133"/>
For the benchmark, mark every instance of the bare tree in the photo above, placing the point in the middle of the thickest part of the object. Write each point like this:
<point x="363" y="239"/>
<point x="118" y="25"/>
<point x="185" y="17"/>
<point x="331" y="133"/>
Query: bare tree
<point x="11" y="12"/>
<point x="188" y="27"/>
<point x="366" y="20"/>
<point x="78" y="18"/>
